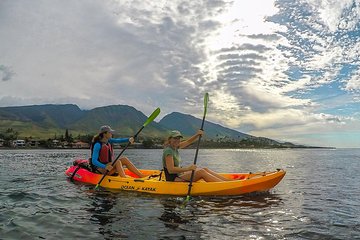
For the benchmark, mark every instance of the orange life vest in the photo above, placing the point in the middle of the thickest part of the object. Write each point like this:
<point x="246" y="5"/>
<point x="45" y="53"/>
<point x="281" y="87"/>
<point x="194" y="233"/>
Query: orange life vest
<point x="106" y="153"/>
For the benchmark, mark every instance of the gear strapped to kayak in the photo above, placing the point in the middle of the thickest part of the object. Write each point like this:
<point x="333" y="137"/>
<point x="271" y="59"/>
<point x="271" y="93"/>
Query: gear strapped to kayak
<point x="81" y="163"/>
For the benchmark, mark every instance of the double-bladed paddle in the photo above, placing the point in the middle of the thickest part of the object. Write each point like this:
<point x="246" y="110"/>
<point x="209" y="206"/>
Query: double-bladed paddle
<point x="149" y="120"/>
<point x="206" y="99"/>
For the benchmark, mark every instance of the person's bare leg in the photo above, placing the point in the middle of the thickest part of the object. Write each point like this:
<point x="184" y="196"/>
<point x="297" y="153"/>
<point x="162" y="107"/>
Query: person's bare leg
<point x="125" y="161"/>
<point x="200" y="174"/>
<point x="208" y="177"/>
<point x="217" y="175"/>
<point x="119" y="168"/>
<point x="111" y="172"/>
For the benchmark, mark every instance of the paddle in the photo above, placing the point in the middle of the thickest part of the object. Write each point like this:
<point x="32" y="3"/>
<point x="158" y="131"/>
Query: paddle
<point x="149" y="120"/>
<point x="206" y="99"/>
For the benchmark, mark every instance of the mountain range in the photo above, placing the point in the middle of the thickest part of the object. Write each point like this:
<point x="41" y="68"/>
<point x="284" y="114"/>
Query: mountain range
<point x="49" y="120"/>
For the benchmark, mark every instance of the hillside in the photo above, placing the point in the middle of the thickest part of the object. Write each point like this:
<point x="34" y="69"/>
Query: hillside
<point x="50" y="121"/>
<point x="48" y="115"/>
<point x="125" y="119"/>
<point x="46" y="121"/>
<point x="188" y="125"/>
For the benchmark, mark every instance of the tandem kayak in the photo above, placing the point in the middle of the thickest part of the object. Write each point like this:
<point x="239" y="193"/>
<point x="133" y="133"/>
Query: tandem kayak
<point x="155" y="182"/>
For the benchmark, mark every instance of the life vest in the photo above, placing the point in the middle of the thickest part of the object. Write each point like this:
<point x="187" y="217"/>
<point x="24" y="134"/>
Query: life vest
<point x="106" y="153"/>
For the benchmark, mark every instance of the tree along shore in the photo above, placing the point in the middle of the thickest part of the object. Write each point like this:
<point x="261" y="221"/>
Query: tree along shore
<point x="10" y="139"/>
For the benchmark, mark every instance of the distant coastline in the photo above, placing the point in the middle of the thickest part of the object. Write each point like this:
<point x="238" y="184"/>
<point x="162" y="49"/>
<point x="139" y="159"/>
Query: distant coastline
<point x="139" y="146"/>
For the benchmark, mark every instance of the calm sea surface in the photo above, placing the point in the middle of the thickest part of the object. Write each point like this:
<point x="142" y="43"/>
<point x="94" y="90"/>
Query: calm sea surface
<point x="319" y="198"/>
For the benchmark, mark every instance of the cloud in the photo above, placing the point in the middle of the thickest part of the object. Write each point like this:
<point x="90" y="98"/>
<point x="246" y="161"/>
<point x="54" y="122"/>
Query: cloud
<point x="317" y="133"/>
<point x="6" y="73"/>
<point x="335" y="14"/>
<point x="107" y="53"/>
<point x="353" y="83"/>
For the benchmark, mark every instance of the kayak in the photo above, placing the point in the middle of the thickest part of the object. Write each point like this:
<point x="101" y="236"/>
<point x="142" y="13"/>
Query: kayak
<point x="155" y="183"/>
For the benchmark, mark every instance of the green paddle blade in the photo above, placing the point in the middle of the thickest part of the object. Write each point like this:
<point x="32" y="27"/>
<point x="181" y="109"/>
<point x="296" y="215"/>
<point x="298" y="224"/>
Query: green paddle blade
<point x="206" y="100"/>
<point x="187" y="199"/>
<point x="152" y="117"/>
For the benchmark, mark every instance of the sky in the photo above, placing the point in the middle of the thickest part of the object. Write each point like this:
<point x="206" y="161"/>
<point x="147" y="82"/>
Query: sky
<point x="288" y="70"/>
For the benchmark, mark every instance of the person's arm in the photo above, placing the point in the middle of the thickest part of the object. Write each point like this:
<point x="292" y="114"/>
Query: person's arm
<point x="95" y="156"/>
<point x="172" y="169"/>
<point x="121" y="140"/>
<point x="192" y="139"/>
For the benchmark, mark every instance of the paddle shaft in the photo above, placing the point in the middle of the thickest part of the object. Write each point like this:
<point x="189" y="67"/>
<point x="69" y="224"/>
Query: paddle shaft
<point x="195" y="160"/>
<point x="197" y="148"/>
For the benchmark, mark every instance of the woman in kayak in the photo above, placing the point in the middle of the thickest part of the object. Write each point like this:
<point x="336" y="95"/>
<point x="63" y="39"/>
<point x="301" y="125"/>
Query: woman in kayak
<point x="171" y="161"/>
<point x="102" y="154"/>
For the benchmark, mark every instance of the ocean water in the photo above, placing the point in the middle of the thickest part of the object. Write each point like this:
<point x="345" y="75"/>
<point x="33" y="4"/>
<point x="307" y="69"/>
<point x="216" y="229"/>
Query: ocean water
<point x="317" y="199"/>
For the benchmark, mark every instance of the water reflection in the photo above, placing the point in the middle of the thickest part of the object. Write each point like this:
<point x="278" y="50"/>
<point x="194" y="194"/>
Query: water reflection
<point x="203" y="215"/>
<point x="253" y="200"/>
<point x="180" y="222"/>
<point x="102" y="214"/>
<point x="102" y="203"/>
<point x="222" y="217"/>
<point x="172" y="214"/>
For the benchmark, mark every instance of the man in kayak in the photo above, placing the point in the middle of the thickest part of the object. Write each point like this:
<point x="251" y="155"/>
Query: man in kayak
<point x="171" y="161"/>
<point x="102" y="154"/>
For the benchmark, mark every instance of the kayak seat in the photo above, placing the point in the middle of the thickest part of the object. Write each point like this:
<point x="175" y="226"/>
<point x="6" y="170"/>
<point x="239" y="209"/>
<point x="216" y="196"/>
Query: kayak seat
<point x="156" y="175"/>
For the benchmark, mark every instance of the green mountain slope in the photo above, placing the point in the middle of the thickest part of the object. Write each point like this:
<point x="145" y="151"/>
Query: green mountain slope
<point x="47" y="116"/>
<point x="126" y="120"/>
<point x="47" y="121"/>
<point x="188" y="125"/>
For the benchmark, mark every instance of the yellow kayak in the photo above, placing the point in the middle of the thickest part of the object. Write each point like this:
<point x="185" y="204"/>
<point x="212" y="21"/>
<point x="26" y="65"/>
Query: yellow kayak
<point x="155" y="182"/>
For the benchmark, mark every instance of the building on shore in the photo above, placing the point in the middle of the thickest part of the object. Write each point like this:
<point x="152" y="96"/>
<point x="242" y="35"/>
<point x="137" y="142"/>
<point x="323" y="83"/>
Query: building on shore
<point x="80" y="144"/>
<point x="19" y="143"/>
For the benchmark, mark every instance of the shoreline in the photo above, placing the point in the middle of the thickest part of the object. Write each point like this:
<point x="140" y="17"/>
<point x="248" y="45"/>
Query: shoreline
<point x="278" y="148"/>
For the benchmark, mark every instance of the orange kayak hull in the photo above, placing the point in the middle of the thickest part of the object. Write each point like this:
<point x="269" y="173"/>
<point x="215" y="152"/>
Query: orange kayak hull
<point x="154" y="184"/>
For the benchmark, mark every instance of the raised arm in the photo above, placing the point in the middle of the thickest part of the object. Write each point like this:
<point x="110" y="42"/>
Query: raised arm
<point x="121" y="140"/>
<point x="192" y="139"/>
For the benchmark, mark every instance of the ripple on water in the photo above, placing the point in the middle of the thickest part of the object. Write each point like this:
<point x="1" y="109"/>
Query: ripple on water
<point x="21" y="196"/>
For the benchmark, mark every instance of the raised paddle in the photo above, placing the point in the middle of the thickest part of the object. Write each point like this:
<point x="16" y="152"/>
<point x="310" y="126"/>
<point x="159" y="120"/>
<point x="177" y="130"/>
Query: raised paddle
<point x="149" y="120"/>
<point x="206" y="99"/>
